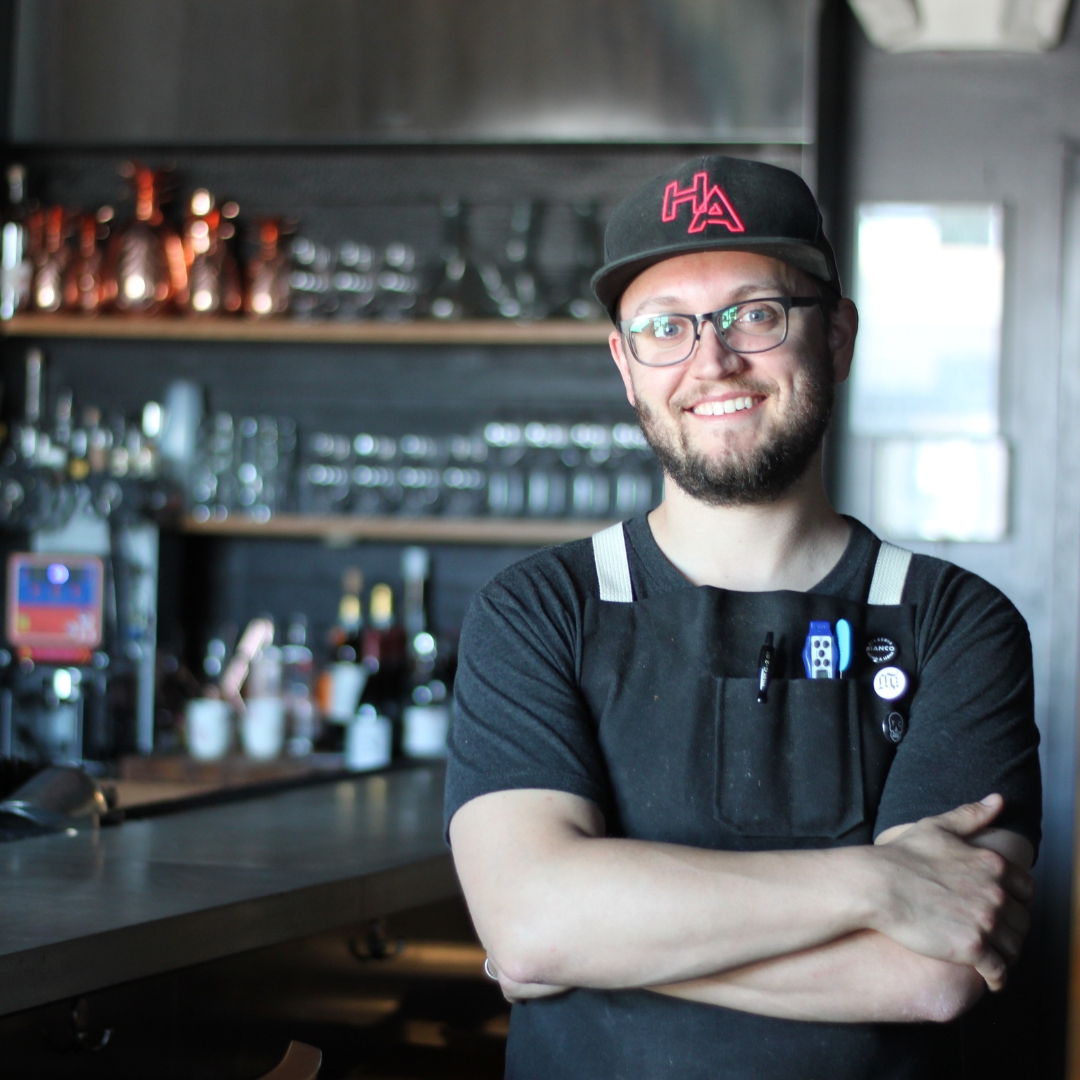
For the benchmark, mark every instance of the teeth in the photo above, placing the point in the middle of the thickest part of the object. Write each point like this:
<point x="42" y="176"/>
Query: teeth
<point x="720" y="408"/>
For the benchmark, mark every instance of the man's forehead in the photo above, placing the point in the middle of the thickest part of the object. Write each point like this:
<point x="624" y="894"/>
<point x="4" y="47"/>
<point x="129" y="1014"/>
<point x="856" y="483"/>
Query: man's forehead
<point x="730" y="274"/>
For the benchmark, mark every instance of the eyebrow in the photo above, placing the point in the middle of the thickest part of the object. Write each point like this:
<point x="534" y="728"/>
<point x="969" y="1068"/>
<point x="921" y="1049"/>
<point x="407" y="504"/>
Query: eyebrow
<point x="761" y="288"/>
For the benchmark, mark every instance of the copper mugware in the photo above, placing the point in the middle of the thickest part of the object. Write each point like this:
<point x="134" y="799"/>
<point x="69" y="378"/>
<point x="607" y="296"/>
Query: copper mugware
<point x="268" y="291"/>
<point x="86" y="283"/>
<point x="213" y="278"/>
<point x="147" y="257"/>
<point x="47" y="289"/>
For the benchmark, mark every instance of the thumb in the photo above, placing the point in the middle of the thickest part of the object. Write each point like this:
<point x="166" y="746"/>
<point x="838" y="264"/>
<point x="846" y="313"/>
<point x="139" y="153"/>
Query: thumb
<point x="971" y="817"/>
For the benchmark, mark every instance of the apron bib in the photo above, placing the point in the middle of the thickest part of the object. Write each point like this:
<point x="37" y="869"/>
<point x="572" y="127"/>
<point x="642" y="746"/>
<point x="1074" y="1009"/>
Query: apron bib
<point x="694" y="758"/>
<point x="692" y="755"/>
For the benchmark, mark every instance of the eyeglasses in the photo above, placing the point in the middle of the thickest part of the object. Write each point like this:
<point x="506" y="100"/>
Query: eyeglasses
<point x="754" y="326"/>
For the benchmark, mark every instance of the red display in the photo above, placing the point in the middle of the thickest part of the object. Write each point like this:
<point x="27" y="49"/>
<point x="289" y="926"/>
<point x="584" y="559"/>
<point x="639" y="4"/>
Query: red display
<point x="54" y="605"/>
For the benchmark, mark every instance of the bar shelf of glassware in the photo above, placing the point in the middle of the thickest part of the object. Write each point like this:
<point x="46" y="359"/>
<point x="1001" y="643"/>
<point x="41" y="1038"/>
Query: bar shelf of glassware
<point x="420" y="530"/>
<point x="412" y="332"/>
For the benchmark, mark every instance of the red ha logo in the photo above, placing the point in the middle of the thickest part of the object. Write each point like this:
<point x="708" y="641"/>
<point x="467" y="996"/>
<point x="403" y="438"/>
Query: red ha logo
<point x="708" y="205"/>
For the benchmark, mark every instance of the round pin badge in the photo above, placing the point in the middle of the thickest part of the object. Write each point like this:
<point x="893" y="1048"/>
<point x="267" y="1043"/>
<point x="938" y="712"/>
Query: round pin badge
<point x="893" y="727"/>
<point x="881" y="650"/>
<point x="890" y="683"/>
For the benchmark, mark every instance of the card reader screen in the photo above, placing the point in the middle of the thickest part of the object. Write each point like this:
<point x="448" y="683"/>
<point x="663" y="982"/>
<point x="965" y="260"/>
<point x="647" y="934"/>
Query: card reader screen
<point x="54" y="601"/>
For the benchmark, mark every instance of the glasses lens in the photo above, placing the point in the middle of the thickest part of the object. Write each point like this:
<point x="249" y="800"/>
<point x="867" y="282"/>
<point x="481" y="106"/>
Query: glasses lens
<point x="753" y="326"/>
<point x="661" y="339"/>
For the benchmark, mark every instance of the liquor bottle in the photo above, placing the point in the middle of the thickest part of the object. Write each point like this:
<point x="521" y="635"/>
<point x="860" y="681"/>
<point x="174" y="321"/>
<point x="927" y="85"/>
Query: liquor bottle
<point x="79" y="458"/>
<point x="588" y="255"/>
<point x="213" y="280"/>
<point x="27" y="434"/>
<point x="47" y="289"/>
<point x="85" y="282"/>
<point x="147" y="257"/>
<point x="458" y="291"/>
<point x="98" y="441"/>
<point x="15" y="265"/>
<point x="268" y="291"/>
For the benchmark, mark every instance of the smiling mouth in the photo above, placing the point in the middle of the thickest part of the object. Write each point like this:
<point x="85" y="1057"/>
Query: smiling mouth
<point x="727" y="406"/>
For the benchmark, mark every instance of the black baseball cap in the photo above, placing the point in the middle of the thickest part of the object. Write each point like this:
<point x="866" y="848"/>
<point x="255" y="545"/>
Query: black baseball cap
<point x="714" y="203"/>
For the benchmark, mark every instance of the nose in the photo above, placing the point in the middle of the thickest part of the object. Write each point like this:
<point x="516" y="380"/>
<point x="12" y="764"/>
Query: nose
<point x="712" y="358"/>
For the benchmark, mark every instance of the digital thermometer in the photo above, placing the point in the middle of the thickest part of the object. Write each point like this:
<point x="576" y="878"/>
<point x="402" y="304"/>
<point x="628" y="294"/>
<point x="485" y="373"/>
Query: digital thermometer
<point x="821" y="653"/>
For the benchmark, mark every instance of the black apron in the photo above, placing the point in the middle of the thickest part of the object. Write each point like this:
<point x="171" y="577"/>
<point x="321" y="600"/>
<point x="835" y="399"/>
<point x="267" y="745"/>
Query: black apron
<point x="694" y="758"/>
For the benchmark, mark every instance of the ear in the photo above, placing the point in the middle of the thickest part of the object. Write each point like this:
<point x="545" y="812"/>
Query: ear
<point x="843" y="326"/>
<point x="615" y="343"/>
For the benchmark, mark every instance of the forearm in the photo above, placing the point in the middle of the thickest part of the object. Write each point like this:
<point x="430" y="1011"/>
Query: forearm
<point x="558" y="904"/>
<point x="864" y="977"/>
<point x="584" y="910"/>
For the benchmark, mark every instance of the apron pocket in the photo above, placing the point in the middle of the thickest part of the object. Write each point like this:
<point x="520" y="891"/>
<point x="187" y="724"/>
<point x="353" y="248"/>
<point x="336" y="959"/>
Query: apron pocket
<point x="792" y="766"/>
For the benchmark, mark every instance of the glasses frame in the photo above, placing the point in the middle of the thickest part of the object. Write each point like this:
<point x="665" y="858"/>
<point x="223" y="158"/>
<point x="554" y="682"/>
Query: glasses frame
<point x="786" y="302"/>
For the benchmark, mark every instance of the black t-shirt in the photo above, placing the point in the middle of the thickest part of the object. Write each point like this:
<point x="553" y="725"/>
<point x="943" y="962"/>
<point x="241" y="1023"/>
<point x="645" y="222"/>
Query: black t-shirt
<point x="521" y="720"/>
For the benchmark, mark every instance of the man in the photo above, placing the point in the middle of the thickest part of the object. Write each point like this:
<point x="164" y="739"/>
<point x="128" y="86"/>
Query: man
<point x="735" y="790"/>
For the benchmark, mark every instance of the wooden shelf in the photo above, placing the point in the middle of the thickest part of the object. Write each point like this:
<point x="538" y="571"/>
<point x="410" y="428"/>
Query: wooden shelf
<point x="530" y="532"/>
<point x="416" y="332"/>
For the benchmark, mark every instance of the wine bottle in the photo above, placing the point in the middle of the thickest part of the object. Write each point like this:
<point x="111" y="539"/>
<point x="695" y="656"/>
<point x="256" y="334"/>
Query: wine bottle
<point x="345" y="637"/>
<point x="346" y="675"/>
<point x="383" y="652"/>
<point x="426" y="715"/>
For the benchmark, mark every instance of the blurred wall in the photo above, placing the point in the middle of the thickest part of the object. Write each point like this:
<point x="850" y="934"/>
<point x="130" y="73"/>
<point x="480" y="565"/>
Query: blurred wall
<point x="1006" y="129"/>
<point x="257" y="71"/>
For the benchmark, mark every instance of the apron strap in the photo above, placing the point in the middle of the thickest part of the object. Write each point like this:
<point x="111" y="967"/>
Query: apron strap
<point x="612" y="565"/>
<point x="613" y="569"/>
<point x="890" y="573"/>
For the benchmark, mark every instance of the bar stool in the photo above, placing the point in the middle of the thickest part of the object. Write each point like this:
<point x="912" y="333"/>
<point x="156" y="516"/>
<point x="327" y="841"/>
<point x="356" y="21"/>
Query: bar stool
<point x="301" y="1062"/>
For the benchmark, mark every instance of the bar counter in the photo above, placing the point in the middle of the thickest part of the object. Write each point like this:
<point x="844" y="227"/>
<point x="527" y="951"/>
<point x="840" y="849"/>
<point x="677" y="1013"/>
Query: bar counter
<point x="82" y="911"/>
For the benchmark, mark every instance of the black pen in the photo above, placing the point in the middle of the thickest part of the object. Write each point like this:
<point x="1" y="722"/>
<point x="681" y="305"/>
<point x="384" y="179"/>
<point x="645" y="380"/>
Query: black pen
<point x="765" y="659"/>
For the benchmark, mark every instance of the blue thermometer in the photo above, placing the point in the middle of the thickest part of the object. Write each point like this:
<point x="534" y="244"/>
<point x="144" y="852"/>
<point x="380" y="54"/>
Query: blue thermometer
<point x="843" y="639"/>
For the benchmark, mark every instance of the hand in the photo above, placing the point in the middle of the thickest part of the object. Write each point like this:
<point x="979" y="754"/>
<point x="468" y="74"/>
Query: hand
<point x="949" y="899"/>
<point x="515" y="991"/>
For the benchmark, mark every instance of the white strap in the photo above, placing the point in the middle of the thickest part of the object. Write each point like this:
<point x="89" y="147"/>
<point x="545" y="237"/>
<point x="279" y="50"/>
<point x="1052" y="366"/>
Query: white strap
<point x="612" y="565"/>
<point x="890" y="573"/>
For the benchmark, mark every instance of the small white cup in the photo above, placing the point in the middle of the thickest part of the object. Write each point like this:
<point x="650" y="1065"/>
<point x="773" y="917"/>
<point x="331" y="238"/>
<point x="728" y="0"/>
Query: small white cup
<point x="368" y="740"/>
<point x="425" y="731"/>
<point x="262" y="729"/>
<point x="346" y="685"/>
<point x="208" y="728"/>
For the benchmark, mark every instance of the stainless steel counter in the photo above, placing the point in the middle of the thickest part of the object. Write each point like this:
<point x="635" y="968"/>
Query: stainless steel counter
<point x="84" y="911"/>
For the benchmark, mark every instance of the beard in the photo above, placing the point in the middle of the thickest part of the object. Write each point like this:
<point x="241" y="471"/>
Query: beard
<point x="764" y="473"/>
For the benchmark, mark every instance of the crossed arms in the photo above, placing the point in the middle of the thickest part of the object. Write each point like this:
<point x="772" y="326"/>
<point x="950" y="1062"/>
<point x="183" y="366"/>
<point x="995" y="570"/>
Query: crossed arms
<point x="915" y="927"/>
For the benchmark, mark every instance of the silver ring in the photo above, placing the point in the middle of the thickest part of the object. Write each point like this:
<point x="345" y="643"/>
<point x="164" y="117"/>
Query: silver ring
<point x="493" y="975"/>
